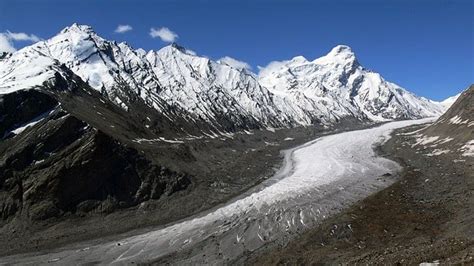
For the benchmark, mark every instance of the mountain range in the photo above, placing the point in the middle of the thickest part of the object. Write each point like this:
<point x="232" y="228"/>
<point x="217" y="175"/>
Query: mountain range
<point x="218" y="96"/>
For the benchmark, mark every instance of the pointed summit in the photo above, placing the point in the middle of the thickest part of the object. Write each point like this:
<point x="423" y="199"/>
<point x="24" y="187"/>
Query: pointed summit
<point x="182" y="49"/>
<point x="299" y="59"/>
<point x="340" y="54"/>
<point x="77" y="32"/>
<point x="78" y="28"/>
<point x="174" y="48"/>
<point x="341" y="49"/>
<point x="177" y="46"/>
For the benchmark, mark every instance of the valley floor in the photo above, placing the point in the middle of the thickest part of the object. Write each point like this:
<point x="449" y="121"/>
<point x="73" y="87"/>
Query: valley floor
<point x="426" y="216"/>
<point x="320" y="179"/>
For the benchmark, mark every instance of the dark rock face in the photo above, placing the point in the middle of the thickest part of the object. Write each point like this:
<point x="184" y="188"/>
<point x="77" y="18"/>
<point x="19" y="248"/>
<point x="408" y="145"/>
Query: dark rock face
<point x="64" y="165"/>
<point x="20" y="107"/>
<point x="457" y="122"/>
<point x="4" y="55"/>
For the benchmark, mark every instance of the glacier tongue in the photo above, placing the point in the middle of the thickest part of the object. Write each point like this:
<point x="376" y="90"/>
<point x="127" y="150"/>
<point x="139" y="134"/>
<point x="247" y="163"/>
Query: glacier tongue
<point x="224" y="93"/>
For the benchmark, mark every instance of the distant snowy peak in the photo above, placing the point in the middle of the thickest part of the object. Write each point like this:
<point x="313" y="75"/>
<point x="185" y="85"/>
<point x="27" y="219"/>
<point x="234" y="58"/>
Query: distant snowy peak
<point x="182" y="49"/>
<point x="75" y="27"/>
<point x="340" y="55"/>
<point x="338" y="77"/>
<point x="339" y="62"/>
<point x="450" y="101"/>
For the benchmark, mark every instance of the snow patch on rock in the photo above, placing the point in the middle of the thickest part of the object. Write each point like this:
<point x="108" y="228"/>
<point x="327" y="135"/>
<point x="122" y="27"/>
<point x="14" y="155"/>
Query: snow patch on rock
<point x="468" y="148"/>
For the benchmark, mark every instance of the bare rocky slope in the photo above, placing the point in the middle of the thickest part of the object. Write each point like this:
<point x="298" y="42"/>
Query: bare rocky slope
<point x="454" y="130"/>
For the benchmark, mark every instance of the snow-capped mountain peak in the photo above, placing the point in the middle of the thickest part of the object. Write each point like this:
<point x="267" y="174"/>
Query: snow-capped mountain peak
<point x="338" y="80"/>
<point x="342" y="51"/>
<point x="299" y="60"/>
<point x="178" y="47"/>
<point x="341" y="58"/>
<point x="173" y="49"/>
<point x="341" y="48"/>
<point x="223" y="93"/>
<point x="78" y="28"/>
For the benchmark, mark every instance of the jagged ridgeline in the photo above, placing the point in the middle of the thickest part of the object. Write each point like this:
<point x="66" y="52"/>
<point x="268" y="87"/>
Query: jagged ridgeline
<point x="216" y="96"/>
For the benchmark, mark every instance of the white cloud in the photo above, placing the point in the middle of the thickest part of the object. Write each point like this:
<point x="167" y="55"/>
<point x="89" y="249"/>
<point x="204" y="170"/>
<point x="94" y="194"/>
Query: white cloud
<point x="5" y="44"/>
<point x="164" y="34"/>
<point x="21" y="36"/>
<point x="7" y="39"/>
<point x="271" y="67"/>
<point x="234" y="63"/>
<point x="191" y="52"/>
<point x="123" y="28"/>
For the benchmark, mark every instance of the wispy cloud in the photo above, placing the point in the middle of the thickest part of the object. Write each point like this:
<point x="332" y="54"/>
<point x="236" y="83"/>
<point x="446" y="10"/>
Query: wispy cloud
<point x="234" y="63"/>
<point x="123" y="28"/>
<point x="5" y="44"/>
<point x="21" y="36"/>
<point x="164" y="34"/>
<point x="7" y="39"/>
<point x="191" y="52"/>
<point x="271" y="67"/>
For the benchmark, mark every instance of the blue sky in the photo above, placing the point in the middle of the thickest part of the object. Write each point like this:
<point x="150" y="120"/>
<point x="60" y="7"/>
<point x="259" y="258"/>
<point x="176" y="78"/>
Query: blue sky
<point x="425" y="46"/>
